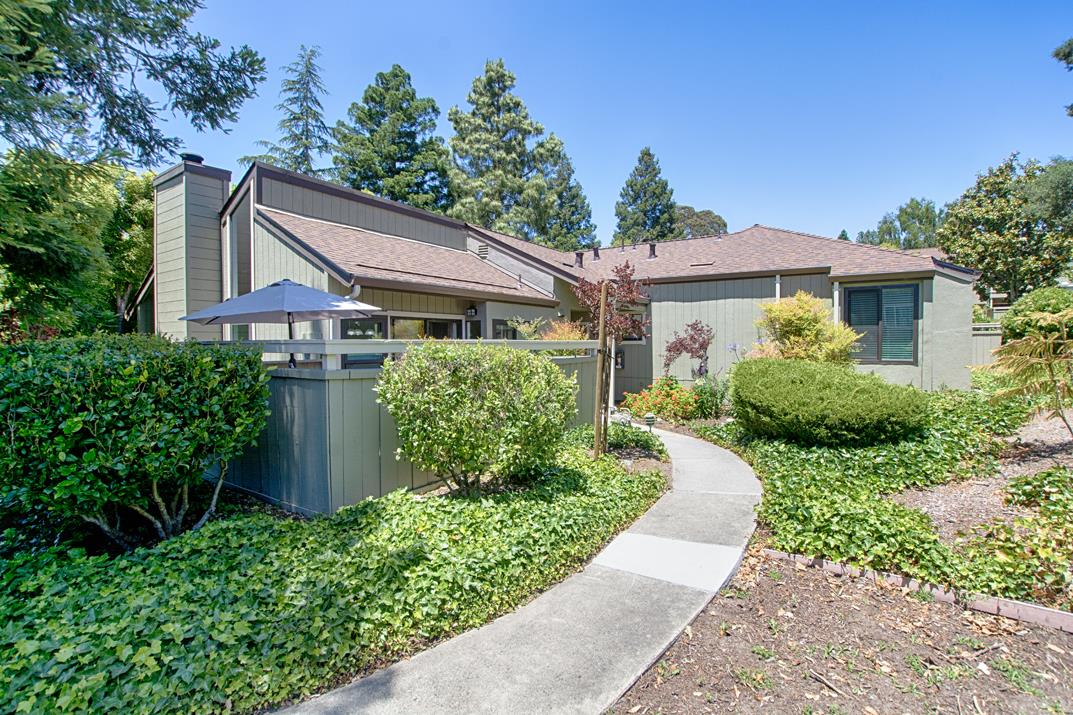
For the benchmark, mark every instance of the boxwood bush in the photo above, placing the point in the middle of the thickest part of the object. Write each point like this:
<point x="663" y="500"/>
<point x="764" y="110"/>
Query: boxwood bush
<point x="252" y="611"/>
<point x="1021" y="318"/>
<point x="823" y="403"/>
<point x="96" y="428"/>
<point x="464" y="411"/>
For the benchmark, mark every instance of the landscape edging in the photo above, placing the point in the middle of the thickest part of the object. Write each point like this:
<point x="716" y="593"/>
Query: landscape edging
<point x="993" y="605"/>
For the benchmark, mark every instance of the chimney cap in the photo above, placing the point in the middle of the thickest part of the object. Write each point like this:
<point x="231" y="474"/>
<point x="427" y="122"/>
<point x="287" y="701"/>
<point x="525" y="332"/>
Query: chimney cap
<point x="651" y="249"/>
<point x="595" y="253"/>
<point x="191" y="157"/>
<point x="579" y="258"/>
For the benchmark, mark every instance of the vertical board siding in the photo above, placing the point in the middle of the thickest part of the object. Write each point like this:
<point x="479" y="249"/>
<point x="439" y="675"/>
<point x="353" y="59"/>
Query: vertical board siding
<point x="205" y="197"/>
<point x="318" y="204"/>
<point x="169" y="233"/>
<point x="984" y="341"/>
<point x="274" y="260"/>
<point x="328" y="444"/>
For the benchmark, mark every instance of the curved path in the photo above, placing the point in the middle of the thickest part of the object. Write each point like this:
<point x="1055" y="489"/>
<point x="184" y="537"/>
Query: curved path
<point x="577" y="647"/>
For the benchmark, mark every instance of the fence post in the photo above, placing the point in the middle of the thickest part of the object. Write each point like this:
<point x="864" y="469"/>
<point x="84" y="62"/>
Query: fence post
<point x="601" y="358"/>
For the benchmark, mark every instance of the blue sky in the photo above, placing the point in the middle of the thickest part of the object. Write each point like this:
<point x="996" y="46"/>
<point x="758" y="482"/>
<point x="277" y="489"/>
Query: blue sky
<point x="804" y="115"/>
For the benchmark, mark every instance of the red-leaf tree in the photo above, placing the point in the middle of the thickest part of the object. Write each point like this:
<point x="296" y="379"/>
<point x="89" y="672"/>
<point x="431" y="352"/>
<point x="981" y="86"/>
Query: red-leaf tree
<point x="698" y="337"/>
<point x="623" y="293"/>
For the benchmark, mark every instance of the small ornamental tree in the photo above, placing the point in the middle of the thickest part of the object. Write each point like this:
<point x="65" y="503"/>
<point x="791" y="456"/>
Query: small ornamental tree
<point x="801" y="328"/>
<point x="695" y="343"/>
<point x="623" y="293"/>
<point x="465" y="411"/>
<point x="103" y="428"/>
<point x="1040" y="364"/>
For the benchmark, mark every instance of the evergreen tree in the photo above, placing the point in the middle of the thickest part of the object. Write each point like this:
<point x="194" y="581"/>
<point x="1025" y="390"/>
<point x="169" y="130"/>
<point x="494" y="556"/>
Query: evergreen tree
<point x="304" y="137"/>
<point x="690" y="223"/>
<point x="843" y="235"/>
<point x="388" y="147"/>
<point x="646" y="208"/>
<point x="506" y="176"/>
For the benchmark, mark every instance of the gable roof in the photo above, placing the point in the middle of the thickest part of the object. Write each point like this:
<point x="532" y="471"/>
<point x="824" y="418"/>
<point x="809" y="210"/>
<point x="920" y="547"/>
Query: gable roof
<point x="379" y="260"/>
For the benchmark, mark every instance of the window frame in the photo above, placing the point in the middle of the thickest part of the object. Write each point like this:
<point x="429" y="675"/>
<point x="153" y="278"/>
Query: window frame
<point x="374" y="360"/>
<point x="848" y="292"/>
<point x="503" y="324"/>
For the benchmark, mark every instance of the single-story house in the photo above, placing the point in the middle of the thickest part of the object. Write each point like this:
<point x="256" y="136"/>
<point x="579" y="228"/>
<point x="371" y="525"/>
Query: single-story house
<point x="435" y="276"/>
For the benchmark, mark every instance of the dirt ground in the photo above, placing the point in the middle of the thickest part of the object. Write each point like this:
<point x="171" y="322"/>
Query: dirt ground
<point x="788" y="639"/>
<point x="957" y="507"/>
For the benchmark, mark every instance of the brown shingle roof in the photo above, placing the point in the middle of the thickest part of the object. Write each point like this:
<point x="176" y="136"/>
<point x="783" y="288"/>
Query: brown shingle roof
<point x="376" y="259"/>
<point x="755" y="250"/>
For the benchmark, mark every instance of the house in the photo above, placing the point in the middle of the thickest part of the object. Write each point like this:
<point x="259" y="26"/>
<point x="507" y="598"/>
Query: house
<point x="435" y="276"/>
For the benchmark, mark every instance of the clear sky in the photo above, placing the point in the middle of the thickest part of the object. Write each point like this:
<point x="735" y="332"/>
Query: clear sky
<point x="813" y="116"/>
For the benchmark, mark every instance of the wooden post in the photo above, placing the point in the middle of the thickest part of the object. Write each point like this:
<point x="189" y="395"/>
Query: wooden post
<point x="601" y="353"/>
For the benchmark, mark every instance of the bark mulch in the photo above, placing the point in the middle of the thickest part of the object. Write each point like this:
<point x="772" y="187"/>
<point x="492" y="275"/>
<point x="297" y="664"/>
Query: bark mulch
<point x="791" y="639"/>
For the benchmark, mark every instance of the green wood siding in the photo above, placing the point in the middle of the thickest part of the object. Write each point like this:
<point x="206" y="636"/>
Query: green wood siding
<point x="169" y="240"/>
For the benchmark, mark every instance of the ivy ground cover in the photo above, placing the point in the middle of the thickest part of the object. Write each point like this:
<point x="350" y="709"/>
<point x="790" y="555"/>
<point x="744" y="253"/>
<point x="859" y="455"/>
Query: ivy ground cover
<point x="832" y="502"/>
<point x="252" y="611"/>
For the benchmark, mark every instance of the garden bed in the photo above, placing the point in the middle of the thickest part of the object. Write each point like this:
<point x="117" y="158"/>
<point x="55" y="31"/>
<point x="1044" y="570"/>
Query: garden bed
<point x="254" y="610"/>
<point x="796" y="640"/>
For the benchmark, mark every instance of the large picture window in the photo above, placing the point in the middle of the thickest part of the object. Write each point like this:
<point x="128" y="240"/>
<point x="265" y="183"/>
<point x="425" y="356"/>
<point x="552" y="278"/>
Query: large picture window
<point x="374" y="328"/>
<point x="886" y="316"/>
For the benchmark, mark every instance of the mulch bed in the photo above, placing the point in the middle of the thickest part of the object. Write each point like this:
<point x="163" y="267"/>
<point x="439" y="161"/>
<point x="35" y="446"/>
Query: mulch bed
<point x="957" y="507"/>
<point x="797" y="640"/>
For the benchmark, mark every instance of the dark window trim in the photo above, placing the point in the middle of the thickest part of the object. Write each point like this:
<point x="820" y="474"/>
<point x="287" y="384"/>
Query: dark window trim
<point x="369" y="360"/>
<point x="847" y="293"/>
<point x="505" y="324"/>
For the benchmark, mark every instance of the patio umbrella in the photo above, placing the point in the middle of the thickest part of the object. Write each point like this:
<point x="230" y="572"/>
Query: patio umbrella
<point x="282" y="302"/>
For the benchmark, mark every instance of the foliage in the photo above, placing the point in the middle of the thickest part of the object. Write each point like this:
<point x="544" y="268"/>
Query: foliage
<point x="801" y="328"/>
<point x="527" y="329"/>
<point x="14" y="329"/>
<point x="690" y="223"/>
<point x="389" y="147"/>
<point x="829" y="501"/>
<point x="646" y="208"/>
<point x="843" y="235"/>
<point x="464" y="411"/>
<point x="982" y="314"/>
<point x="1026" y="315"/>
<point x="711" y="393"/>
<point x="1039" y="366"/>
<point x="823" y="404"/>
<point x="1049" y="196"/>
<point x="619" y="437"/>
<point x="304" y="137"/>
<point x="995" y="229"/>
<point x="98" y="426"/>
<point x="666" y="398"/>
<point x="507" y="177"/>
<point x="1064" y="54"/>
<point x="695" y="343"/>
<point x="624" y="294"/>
<point x="251" y="611"/>
<point x="564" y="330"/>
<point x="913" y="225"/>
<point x="127" y="241"/>
<point x="73" y="76"/>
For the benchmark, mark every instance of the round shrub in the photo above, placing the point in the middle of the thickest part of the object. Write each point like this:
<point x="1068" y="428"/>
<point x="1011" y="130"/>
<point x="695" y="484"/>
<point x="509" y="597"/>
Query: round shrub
<point x="666" y="398"/>
<point x="464" y="411"/>
<point x="823" y="404"/>
<point x="95" y="427"/>
<point x="1020" y="319"/>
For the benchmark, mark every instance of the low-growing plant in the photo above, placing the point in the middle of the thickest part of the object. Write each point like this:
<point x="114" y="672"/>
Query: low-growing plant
<point x="801" y="328"/>
<point x="619" y="437"/>
<point x="102" y="428"/>
<point x="465" y="411"/>
<point x="818" y="403"/>
<point x="666" y="398"/>
<point x="564" y="330"/>
<point x="1027" y="314"/>
<point x="251" y="611"/>
<point x="712" y="393"/>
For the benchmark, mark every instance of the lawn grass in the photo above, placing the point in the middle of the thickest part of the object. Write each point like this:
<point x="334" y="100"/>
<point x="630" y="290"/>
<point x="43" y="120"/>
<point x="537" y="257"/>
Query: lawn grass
<point x="253" y="610"/>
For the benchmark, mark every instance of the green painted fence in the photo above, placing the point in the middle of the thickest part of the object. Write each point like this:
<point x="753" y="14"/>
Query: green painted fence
<point x="329" y="444"/>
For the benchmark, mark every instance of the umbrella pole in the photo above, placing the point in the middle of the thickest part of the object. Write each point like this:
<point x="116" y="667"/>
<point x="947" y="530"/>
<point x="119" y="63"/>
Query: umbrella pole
<point x="290" y="336"/>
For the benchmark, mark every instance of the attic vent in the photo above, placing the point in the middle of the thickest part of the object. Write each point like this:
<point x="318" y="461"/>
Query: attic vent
<point x="482" y="251"/>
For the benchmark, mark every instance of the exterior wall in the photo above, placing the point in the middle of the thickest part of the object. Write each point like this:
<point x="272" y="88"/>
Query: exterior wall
<point x="515" y="266"/>
<point x="951" y="333"/>
<point x="169" y="231"/>
<point x="205" y="195"/>
<point x="274" y="260"/>
<point x="328" y="444"/>
<point x="324" y="204"/>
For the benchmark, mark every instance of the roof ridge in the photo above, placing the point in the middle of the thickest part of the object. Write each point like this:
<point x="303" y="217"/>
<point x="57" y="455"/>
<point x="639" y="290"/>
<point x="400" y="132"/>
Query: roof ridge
<point x="840" y="241"/>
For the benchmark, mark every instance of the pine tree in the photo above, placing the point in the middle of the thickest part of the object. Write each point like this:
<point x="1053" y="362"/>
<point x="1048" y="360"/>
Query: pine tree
<point x="304" y="137"/>
<point x="506" y="177"/>
<point x="843" y="235"/>
<point x="388" y="147"/>
<point x="646" y="209"/>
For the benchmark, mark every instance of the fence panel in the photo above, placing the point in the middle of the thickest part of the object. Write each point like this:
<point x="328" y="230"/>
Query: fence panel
<point x="985" y="338"/>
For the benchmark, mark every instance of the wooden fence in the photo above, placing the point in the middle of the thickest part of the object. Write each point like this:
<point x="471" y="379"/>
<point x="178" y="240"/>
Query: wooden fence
<point x="985" y="338"/>
<point x="329" y="444"/>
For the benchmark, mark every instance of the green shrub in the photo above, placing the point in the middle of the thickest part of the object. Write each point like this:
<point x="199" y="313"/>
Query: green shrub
<point x="96" y="425"/>
<point x="1021" y="318"/>
<point x="801" y="328"/>
<point x="665" y="398"/>
<point x="619" y="436"/>
<point x="820" y="403"/>
<point x="712" y="393"/>
<point x="464" y="411"/>
<point x="251" y="611"/>
<point x="831" y="501"/>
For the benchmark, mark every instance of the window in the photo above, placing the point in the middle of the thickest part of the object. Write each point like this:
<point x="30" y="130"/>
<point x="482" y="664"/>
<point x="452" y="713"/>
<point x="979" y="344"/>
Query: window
<point x="363" y="329"/>
<point x="501" y="330"/>
<point x="473" y="329"/>
<point x="421" y="328"/>
<point x="886" y="317"/>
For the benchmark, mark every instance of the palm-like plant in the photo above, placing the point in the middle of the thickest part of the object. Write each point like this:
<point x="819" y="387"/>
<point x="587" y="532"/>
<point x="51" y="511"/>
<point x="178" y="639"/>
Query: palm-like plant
<point x="1040" y="365"/>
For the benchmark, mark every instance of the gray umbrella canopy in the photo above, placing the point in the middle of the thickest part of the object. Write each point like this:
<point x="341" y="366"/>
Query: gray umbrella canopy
<point x="282" y="302"/>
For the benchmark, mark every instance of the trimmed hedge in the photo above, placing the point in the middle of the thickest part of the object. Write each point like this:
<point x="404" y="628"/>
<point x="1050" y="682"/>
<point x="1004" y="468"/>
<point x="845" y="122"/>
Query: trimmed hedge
<point x="252" y="611"/>
<point x="1020" y="319"/>
<point x="823" y="403"/>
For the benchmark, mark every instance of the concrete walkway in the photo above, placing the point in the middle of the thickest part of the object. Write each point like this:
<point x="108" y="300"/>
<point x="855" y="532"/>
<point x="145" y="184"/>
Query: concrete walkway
<point x="580" y="645"/>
